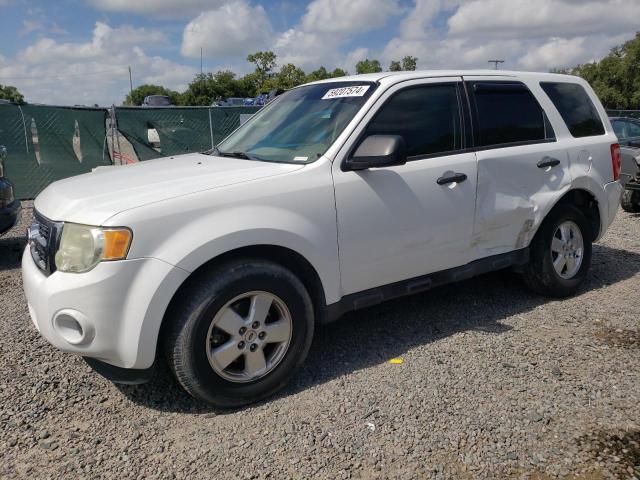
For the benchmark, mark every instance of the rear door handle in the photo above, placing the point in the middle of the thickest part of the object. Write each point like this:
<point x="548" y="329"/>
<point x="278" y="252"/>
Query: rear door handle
<point x="455" y="178"/>
<point x="547" y="162"/>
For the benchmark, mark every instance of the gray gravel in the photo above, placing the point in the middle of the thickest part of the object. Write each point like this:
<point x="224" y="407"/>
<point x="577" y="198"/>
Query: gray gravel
<point x="495" y="382"/>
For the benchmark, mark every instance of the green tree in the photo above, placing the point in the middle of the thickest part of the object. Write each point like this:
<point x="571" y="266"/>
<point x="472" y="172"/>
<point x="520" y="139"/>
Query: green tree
<point x="136" y="96"/>
<point x="368" y="66"/>
<point x="289" y="76"/>
<point x="409" y="63"/>
<point x="338" y="72"/>
<point x="207" y="87"/>
<point x="265" y="63"/>
<point x="615" y="78"/>
<point x="406" y="64"/>
<point x="8" y="92"/>
<point x="319" y="74"/>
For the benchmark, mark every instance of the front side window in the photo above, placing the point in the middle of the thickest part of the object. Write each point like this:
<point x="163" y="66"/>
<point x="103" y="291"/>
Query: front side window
<point x="508" y="113"/>
<point x="575" y="107"/>
<point x="300" y="125"/>
<point x="427" y="117"/>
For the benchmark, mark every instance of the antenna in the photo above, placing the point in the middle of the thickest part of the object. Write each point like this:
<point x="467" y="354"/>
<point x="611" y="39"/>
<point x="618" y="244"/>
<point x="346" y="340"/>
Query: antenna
<point x="496" y="62"/>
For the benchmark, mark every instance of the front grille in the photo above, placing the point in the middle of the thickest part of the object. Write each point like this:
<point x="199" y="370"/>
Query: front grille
<point x="43" y="241"/>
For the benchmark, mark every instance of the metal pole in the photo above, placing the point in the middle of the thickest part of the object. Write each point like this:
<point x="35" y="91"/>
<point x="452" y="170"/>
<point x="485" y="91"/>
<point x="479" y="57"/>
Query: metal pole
<point x="24" y="125"/>
<point x="211" y="128"/>
<point x="113" y="140"/>
<point x="130" y="84"/>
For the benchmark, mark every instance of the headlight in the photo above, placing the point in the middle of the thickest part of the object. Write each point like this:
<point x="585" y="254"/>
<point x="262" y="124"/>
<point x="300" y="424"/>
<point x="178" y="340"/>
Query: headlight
<point x="82" y="247"/>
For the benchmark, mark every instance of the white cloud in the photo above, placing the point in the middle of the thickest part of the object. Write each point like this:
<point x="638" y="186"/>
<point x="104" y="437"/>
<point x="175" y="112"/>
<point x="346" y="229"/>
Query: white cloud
<point x="354" y="16"/>
<point x="234" y="29"/>
<point x="544" y="18"/>
<point x="533" y="35"/>
<point x="327" y="26"/>
<point x="161" y="8"/>
<point x="95" y="71"/>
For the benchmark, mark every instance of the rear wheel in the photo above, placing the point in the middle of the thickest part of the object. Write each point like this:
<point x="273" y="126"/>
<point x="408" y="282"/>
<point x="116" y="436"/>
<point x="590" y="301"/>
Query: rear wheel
<point x="630" y="201"/>
<point x="560" y="253"/>
<point x="240" y="333"/>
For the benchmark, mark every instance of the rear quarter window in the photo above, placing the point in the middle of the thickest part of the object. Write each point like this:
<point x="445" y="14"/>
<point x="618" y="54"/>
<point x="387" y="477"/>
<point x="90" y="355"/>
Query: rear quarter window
<point x="507" y="113"/>
<point x="575" y="107"/>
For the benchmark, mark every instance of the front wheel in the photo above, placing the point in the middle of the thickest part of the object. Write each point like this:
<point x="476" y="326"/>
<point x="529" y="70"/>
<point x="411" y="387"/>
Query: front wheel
<point x="240" y="333"/>
<point x="560" y="253"/>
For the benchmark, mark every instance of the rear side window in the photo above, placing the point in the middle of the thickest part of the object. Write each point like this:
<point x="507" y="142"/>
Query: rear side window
<point x="508" y="113"/>
<point x="428" y="118"/>
<point x="575" y="107"/>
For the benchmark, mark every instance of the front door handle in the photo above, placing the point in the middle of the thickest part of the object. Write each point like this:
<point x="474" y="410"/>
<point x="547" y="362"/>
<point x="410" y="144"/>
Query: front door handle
<point x="454" y="178"/>
<point x="547" y="162"/>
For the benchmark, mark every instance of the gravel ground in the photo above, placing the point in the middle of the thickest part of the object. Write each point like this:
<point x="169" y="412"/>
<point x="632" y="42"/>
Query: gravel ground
<point x="494" y="382"/>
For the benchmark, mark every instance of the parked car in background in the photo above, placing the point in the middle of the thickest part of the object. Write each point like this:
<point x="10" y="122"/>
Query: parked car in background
<point x="9" y="205"/>
<point x="338" y="195"/>
<point x="630" y="176"/>
<point x="157" y="101"/>
<point x="627" y="130"/>
<point x="234" y="102"/>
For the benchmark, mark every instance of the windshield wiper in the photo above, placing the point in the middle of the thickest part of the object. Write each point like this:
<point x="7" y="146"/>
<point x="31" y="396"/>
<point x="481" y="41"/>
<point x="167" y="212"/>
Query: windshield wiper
<point x="238" y="154"/>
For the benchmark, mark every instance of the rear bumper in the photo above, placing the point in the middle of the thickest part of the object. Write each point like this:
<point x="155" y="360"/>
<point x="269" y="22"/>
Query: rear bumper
<point x="9" y="216"/>
<point x="613" y="193"/>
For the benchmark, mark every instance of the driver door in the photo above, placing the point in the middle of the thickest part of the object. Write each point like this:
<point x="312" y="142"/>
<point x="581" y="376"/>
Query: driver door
<point x="400" y="222"/>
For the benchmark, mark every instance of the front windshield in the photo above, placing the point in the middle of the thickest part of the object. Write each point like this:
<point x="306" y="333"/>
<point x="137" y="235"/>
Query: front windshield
<point x="300" y="125"/>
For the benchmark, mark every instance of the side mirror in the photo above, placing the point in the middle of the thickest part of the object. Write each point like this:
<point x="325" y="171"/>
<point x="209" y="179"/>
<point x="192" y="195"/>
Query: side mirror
<point x="378" y="151"/>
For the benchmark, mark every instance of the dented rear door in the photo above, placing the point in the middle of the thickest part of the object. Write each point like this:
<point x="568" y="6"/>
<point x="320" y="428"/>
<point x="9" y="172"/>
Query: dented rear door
<point x="522" y="168"/>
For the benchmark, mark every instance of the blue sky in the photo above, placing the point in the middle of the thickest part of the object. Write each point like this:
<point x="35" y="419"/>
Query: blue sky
<point x="78" y="51"/>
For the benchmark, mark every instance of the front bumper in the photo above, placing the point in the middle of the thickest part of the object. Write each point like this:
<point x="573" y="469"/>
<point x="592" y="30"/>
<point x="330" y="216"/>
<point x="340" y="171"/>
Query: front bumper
<point x="9" y="216"/>
<point x="111" y="313"/>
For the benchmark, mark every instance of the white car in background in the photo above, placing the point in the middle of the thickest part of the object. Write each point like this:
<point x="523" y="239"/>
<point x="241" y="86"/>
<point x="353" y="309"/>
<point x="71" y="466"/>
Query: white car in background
<point x="338" y="195"/>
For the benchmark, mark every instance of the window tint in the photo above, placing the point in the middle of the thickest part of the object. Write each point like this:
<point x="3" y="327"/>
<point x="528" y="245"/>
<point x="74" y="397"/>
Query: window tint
<point x="426" y="117"/>
<point x="575" y="107"/>
<point x="508" y="113"/>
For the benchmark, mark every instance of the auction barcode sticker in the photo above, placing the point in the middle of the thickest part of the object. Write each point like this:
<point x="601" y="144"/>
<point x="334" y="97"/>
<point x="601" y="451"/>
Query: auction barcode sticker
<point x="342" y="92"/>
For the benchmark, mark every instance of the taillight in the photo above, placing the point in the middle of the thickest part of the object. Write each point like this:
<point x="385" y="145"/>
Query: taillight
<point x="615" y="161"/>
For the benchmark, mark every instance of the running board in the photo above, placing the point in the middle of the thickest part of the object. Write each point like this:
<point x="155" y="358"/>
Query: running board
<point x="374" y="296"/>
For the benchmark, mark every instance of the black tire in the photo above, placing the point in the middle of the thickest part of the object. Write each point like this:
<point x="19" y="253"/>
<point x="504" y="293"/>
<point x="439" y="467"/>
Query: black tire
<point x="630" y="201"/>
<point x="539" y="274"/>
<point x="189" y="320"/>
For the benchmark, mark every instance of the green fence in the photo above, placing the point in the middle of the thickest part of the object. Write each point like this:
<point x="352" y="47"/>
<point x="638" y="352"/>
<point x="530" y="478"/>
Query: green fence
<point x="180" y="129"/>
<point x="47" y="143"/>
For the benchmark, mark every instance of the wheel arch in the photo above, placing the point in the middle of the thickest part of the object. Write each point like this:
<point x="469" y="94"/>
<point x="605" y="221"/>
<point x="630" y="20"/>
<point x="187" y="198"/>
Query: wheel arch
<point x="284" y="256"/>
<point x="588" y="204"/>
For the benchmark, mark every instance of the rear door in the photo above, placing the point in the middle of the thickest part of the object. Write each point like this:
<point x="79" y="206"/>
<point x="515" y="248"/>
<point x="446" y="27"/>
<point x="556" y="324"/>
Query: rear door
<point x="522" y="169"/>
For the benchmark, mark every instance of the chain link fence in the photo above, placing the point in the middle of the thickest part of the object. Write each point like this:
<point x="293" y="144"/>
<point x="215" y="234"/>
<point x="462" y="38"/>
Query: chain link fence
<point x="624" y="113"/>
<point x="49" y="143"/>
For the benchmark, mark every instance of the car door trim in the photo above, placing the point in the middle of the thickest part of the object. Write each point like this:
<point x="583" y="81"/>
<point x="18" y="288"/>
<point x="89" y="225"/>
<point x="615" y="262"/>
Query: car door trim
<point x="377" y="295"/>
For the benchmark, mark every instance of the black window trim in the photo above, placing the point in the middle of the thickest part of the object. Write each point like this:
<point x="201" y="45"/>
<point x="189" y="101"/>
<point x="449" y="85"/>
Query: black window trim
<point x="501" y="85"/>
<point x="465" y="123"/>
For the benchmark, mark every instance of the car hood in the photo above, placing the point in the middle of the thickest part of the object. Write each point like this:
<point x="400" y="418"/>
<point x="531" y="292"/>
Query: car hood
<point x="94" y="197"/>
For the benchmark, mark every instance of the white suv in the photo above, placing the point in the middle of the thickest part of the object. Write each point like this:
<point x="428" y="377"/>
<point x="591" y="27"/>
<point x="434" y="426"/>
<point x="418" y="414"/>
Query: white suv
<point x="338" y="195"/>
